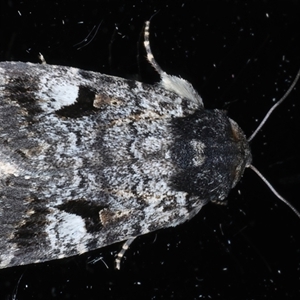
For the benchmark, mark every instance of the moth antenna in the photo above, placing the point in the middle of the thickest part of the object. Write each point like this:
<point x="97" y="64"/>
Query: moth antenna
<point x="256" y="131"/>
<point x="274" y="191"/>
<point x="274" y="106"/>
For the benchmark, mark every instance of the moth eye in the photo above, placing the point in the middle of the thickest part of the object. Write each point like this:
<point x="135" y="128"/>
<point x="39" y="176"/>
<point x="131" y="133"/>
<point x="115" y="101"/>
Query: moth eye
<point x="242" y="156"/>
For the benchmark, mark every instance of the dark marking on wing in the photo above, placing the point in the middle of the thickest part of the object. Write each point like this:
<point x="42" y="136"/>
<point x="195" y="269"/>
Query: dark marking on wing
<point x="84" y="105"/>
<point x="88" y="210"/>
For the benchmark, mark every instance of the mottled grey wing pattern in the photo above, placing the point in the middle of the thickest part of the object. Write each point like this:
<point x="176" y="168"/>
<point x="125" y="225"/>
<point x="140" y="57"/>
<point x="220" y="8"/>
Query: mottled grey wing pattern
<point x="87" y="160"/>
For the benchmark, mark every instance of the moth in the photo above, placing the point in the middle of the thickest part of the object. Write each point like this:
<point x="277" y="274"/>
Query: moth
<point x="88" y="160"/>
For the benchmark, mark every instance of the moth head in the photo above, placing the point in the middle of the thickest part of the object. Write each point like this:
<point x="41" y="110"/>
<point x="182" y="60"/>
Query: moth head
<point x="244" y="158"/>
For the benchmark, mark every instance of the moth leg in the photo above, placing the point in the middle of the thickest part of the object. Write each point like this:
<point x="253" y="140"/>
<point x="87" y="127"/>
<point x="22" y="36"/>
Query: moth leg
<point x="42" y="59"/>
<point x="171" y="83"/>
<point x="122" y="252"/>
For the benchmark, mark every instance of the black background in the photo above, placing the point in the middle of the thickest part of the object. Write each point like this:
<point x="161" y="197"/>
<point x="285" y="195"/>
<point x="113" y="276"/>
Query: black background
<point x="241" y="56"/>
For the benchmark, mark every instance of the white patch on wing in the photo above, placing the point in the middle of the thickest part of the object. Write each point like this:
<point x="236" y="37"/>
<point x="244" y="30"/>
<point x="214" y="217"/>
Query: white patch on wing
<point x="6" y="258"/>
<point x="55" y="92"/>
<point x="66" y="230"/>
<point x="8" y="169"/>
